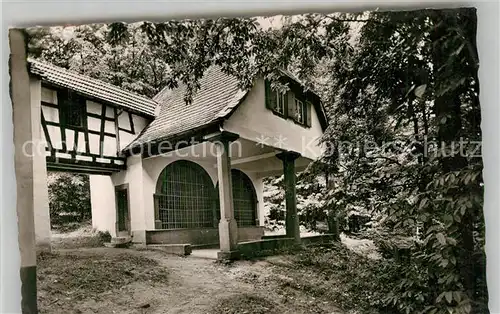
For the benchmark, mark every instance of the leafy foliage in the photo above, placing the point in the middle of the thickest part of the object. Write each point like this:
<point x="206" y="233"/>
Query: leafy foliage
<point x="412" y="83"/>
<point x="401" y="91"/>
<point x="69" y="198"/>
<point x="117" y="53"/>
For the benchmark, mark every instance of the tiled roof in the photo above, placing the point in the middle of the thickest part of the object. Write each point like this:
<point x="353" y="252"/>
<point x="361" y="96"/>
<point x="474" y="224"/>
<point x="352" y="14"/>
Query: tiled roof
<point x="217" y="97"/>
<point x="92" y="87"/>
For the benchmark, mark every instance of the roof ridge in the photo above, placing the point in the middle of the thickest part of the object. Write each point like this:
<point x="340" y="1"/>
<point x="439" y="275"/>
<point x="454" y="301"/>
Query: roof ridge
<point x="50" y="65"/>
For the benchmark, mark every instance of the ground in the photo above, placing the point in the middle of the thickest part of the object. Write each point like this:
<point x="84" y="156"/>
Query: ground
<point x="81" y="276"/>
<point x="104" y="280"/>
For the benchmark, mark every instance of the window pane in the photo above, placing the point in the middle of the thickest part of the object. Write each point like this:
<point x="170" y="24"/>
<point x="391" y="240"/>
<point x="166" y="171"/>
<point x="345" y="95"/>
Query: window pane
<point x="280" y="103"/>
<point x="300" y="110"/>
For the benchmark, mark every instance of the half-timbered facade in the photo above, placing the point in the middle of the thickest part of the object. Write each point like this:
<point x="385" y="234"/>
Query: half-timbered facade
<point x="86" y="123"/>
<point x="163" y="172"/>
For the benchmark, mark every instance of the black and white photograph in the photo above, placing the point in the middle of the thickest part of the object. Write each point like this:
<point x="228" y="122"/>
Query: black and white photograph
<point x="315" y="163"/>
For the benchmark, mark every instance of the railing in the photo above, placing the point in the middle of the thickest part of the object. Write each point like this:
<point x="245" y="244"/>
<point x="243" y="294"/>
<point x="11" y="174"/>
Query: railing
<point x="179" y="212"/>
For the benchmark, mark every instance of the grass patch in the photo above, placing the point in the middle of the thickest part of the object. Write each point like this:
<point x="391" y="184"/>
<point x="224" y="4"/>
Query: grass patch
<point x="74" y="277"/>
<point x="350" y="280"/>
<point x="245" y="303"/>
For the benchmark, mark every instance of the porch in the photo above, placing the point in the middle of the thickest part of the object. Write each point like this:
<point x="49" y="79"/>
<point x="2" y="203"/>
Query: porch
<point x="209" y="194"/>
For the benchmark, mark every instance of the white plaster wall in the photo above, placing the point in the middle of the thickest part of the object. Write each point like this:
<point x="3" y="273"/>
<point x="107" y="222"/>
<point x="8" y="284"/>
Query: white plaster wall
<point x="93" y="107"/>
<point x="135" y="178"/>
<point x="252" y="120"/>
<point x="109" y="147"/>
<point x="102" y="199"/>
<point x="124" y="123"/>
<point x="50" y="114"/>
<point x="142" y="175"/>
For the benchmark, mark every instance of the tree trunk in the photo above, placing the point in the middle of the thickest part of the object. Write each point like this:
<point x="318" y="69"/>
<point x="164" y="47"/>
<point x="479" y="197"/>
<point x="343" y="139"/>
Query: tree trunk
<point x="447" y="108"/>
<point x="333" y="224"/>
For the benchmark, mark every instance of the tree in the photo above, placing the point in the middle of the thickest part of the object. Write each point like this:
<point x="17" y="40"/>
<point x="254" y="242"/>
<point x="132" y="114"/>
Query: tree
<point x="401" y="91"/>
<point x="412" y="79"/>
<point x="130" y="61"/>
<point x="69" y="197"/>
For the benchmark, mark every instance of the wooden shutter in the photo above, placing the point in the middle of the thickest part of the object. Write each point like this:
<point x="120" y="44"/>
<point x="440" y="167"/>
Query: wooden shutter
<point x="62" y="103"/>
<point x="291" y="110"/>
<point x="270" y="96"/>
<point x="308" y="113"/>
<point x="285" y="105"/>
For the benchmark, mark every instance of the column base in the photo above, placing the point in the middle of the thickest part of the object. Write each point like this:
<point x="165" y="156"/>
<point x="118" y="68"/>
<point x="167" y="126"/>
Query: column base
<point x="294" y="235"/>
<point x="228" y="235"/>
<point x="28" y="290"/>
<point x="228" y="255"/>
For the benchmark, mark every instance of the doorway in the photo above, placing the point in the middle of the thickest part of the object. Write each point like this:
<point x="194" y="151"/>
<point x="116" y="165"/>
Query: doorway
<point x="122" y="210"/>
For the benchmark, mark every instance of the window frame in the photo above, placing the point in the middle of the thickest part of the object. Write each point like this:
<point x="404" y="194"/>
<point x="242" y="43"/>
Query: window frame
<point x="69" y="102"/>
<point x="291" y="102"/>
<point x="300" y="111"/>
<point x="304" y="106"/>
<point x="280" y="99"/>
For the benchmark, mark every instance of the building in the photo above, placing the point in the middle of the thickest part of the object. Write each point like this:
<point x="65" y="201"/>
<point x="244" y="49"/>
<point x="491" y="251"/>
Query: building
<point x="161" y="171"/>
<point x="166" y="172"/>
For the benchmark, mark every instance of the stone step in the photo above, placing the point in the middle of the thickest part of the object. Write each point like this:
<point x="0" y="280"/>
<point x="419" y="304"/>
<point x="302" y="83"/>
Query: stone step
<point x="177" y="249"/>
<point x="117" y="245"/>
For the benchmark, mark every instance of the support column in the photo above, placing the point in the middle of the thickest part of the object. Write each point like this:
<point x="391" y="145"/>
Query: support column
<point x="138" y="208"/>
<point x="40" y="188"/>
<point x="228" y="228"/>
<point x="291" y="218"/>
<point x="23" y="158"/>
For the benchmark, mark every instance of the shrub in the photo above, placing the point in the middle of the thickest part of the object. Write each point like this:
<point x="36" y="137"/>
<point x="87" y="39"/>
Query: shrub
<point x="69" y="198"/>
<point x="104" y="236"/>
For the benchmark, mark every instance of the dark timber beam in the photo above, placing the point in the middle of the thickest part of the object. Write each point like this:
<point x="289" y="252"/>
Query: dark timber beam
<point x="53" y="164"/>
<point x="291" y="218"/>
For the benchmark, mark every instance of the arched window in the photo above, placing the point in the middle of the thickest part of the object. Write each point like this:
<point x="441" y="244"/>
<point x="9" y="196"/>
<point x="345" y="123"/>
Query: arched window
<point x="244" y="199"/>
<point x="185" y="197"/>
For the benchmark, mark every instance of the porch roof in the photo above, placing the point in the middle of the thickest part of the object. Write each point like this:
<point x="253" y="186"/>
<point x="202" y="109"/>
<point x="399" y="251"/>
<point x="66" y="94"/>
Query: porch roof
<point x="92" y="87"/>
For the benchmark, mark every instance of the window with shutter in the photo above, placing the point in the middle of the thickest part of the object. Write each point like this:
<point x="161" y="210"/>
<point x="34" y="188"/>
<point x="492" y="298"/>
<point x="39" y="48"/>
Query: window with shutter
<point x="294" y="105"/>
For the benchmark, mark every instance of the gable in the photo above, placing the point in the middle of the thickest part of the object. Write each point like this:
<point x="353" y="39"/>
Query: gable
<point x="216" y="101"/>
<point x="254" y="121"/>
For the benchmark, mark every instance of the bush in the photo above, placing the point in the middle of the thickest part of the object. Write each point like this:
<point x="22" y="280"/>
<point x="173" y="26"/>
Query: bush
<point x="104" y="236"/>
<point x="69" y="198"/>
<point x="352" y="281"/>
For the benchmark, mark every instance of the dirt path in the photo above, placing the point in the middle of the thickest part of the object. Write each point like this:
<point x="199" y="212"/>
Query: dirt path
<point x="196" y="286"/>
